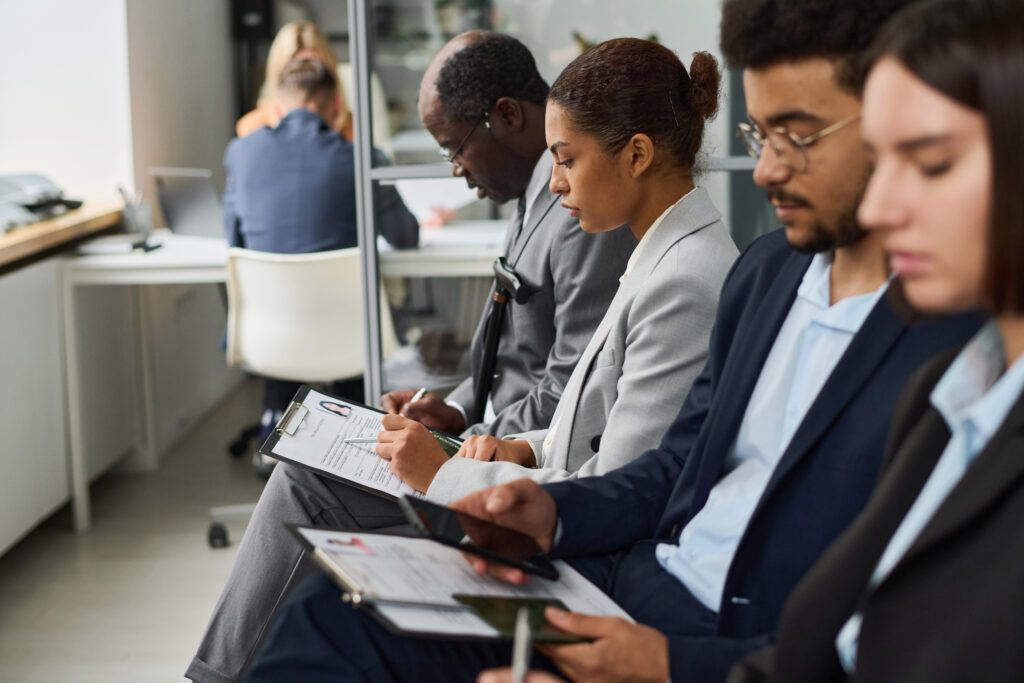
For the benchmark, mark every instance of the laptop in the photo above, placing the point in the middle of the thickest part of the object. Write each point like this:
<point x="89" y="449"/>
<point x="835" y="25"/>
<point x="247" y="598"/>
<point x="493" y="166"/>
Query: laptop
<point x="189" y="200"/>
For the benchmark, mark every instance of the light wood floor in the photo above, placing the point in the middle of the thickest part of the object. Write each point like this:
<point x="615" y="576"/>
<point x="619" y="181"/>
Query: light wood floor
<point x="128" y="600"/>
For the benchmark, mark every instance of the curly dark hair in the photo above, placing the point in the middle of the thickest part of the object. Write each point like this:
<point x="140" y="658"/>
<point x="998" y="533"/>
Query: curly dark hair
<point x="626" y="86"/>
<point x="761" y="33"/>
<point x="494" y="65"/>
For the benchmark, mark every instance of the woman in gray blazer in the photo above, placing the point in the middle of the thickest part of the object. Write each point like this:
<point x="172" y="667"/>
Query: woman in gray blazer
<point x="624" y="123"/>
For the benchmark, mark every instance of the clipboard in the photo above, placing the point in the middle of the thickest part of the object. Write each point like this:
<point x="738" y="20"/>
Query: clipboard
<point x="297" y="414"/>
<point x="495" y="613"/>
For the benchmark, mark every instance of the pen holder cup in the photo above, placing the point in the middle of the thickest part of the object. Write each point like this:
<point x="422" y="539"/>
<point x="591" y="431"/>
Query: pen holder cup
<point x="138" y="218"/>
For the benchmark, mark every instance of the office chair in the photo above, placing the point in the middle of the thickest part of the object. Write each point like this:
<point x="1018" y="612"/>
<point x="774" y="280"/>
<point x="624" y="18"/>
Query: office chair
<point x="294" y="317"/>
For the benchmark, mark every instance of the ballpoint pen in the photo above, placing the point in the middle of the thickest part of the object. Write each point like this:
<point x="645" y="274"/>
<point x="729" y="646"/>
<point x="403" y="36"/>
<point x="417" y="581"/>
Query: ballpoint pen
<point x="522" y="644"/>
<point x="361" y="439"/>
<point x="420" y="393"/>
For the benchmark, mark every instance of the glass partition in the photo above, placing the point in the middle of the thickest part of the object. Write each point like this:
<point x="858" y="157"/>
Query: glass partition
<point x="436" y="293"/>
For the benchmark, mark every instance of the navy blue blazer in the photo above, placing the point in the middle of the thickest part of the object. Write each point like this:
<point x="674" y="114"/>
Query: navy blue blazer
<point x="822" y="481"/>
<point x="291" y="190"/>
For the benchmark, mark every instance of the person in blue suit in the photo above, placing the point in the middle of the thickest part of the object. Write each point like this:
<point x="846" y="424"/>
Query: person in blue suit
<point x="291" y="189"/>
<point x="776" y="447"/>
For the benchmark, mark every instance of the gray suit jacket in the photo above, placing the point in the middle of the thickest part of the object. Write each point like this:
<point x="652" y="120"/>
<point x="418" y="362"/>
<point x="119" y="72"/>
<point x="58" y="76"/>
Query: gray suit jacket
<point x="575" y="276"/>
<point x="638" y="366"/>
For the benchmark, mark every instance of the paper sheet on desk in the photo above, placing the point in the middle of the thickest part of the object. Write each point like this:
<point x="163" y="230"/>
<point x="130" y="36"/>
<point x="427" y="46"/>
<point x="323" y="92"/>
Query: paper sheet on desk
<point x="319" y="443"/>
<point x="425" y="196"/>
<point x="409" y="570"/>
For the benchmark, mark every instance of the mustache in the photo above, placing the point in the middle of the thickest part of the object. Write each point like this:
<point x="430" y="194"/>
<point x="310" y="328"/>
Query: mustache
<point x="781" y="197"/>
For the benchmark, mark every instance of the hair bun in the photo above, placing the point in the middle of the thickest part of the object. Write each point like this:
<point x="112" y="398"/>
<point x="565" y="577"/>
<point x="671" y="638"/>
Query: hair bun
<point x="705" y="85"/>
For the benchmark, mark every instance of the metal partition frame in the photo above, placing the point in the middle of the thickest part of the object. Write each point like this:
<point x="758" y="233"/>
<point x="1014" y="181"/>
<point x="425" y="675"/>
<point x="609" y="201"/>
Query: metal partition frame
<point x="359" y="55"/>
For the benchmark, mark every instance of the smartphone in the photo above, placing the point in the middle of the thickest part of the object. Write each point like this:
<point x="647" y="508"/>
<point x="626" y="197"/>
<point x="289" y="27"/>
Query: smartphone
<point x="477" y="536"/>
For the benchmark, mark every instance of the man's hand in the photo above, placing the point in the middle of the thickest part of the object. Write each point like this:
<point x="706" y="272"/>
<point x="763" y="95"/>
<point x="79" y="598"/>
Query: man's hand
<point x="430" y="410"/>
<point x="521" y="505"/>
<point x="415" y="454"/>
<point x="620" y="650"/>
<point x="505" y="676"/>
<point x="486" y="447"/>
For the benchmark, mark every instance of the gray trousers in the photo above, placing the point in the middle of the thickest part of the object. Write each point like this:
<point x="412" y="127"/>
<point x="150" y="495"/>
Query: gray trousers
<point x="270" y="562"/>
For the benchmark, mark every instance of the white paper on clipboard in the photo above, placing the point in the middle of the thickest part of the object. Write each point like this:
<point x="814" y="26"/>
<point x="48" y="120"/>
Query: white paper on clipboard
<point x="313" y="434"/>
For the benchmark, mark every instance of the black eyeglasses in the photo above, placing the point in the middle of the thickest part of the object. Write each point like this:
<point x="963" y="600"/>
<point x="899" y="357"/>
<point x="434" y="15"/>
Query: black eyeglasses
<point x="450" y="157"/>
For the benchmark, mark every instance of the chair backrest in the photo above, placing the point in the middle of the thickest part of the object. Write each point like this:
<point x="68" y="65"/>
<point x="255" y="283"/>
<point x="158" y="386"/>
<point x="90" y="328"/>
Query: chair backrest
<point x="298" y="317"/>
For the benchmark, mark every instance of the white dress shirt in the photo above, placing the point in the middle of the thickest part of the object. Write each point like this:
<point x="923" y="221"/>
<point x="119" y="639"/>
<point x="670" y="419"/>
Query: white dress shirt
<point x="809" y="345"/>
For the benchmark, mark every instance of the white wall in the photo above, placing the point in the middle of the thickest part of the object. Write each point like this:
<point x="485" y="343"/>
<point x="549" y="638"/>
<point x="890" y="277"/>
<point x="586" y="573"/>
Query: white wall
<point x="64" y="108"/>
<point x="93" y="93"/>
<point x="182" y="99"/>
<point x="65" y="113"/>
<point x="179" y="56"/>
<point x="685" y="26"/>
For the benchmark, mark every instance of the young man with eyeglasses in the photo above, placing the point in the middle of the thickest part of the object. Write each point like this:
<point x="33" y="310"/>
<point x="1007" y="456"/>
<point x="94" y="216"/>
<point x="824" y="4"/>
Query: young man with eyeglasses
<point x="776" y="447"/>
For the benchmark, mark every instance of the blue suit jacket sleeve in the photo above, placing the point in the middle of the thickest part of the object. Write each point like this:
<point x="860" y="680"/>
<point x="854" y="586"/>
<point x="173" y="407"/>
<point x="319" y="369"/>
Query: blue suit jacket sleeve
<point x="393" y="219"/>
<point x="604" y="514"/>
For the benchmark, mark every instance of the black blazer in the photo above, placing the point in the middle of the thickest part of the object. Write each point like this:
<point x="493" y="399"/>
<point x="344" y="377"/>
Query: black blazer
<point x="822" y="481"/>
<point x="953" y="608"/>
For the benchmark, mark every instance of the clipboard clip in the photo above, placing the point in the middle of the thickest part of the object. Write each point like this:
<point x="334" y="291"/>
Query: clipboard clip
<point x="292" y="419"/>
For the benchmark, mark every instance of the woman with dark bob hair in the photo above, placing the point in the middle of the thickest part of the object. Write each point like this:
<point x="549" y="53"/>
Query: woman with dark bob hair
<point x="928" y="582"/>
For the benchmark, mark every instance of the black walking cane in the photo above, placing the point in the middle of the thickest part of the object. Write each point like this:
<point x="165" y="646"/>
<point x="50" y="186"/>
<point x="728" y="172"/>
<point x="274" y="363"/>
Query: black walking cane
<point x="507" y="287"/>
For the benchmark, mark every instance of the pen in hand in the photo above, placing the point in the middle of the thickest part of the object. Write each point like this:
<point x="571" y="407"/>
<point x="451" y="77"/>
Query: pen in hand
<point x="420" y="393"/>
<point x="361" y="439"/>
<point x="522" y="645"/>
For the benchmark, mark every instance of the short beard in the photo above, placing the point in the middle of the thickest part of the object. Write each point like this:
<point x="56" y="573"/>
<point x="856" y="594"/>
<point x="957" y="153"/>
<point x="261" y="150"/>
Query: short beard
<point x="847" y="230"/>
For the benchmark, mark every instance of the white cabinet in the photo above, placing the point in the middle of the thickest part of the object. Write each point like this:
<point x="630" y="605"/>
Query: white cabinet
<point x="33" y="464"/>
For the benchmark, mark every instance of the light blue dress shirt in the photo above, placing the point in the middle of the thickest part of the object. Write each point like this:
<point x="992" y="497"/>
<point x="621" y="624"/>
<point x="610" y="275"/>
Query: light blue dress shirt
<point x="809" y="345"/>
<point x="974" y="400"/>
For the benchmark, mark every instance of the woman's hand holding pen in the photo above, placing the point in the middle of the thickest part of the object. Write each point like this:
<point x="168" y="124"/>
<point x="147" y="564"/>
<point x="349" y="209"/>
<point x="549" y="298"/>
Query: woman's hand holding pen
<point x="487" y="448"/>
<point x="414" y="453"/>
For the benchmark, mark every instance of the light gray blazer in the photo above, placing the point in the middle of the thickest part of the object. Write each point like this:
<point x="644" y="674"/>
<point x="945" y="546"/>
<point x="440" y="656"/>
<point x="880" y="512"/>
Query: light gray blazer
<point x="575" y="276"/>
<point x="639" y="365"/>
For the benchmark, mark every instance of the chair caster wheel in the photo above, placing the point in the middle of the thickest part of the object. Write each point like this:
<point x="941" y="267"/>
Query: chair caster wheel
<point x="217" y="535"/>
<point x="238" y="447"/>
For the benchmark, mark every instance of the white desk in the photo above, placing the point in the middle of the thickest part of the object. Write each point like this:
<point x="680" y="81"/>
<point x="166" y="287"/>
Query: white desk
<point x="461" y="250"/>
<point x="181" y="260"/>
